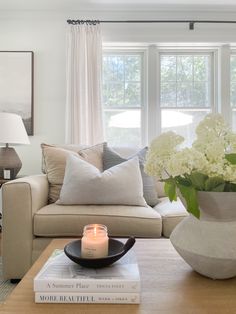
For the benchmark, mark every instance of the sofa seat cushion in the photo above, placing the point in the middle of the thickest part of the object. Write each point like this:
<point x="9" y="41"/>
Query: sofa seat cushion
<point x="171" y="213"/>
<point x="68" y="220"/>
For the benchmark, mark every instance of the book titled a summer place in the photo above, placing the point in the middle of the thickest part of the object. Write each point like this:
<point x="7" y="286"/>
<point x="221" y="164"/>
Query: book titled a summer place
<point x="60" y="274"/>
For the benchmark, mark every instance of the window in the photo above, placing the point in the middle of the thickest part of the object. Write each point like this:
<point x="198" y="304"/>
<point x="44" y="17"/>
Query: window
<point x="180" y="93"/>
<point x="186" y="88"/>
<point x="233" y="89"/>
<point x="123" y="98"/>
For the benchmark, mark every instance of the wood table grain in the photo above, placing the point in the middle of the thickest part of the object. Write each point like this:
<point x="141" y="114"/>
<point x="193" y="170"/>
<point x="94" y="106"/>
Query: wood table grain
<point x="169" y="286"/>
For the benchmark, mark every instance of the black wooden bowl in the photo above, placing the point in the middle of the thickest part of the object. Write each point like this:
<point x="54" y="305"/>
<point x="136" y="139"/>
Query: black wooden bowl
<point x="116" y="249"/>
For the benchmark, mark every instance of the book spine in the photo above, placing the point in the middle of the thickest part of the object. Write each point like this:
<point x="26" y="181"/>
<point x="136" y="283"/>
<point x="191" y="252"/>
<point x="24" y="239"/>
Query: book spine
<point x="65" y="297"/>
<point x="87" y="286"/>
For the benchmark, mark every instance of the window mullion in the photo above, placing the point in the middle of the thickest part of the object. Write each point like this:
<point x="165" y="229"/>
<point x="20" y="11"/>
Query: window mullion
<point x="224" y="83"/>
<point x="154" y="110"/>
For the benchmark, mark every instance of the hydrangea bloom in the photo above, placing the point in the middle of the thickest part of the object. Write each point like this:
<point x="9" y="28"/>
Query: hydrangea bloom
<point x="209" y="165"/>
<point x="207" y="154"/>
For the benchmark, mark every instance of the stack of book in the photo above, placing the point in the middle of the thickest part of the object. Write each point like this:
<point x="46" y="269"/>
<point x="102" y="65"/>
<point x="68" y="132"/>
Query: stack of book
<point x="62" y="281"/>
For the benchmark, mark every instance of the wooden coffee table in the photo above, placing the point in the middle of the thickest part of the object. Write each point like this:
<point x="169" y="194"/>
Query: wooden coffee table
<point x="168" y="286"/>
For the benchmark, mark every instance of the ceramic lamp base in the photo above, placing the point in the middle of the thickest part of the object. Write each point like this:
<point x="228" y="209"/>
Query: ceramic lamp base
<point x="10" y="163"/>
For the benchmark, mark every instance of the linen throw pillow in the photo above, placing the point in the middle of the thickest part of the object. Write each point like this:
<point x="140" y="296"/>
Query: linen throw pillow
<point x="54" y="160"/>
<point x="85" y="184"/>
<point x="112" y="158"/>
<point x="70" y="147"/>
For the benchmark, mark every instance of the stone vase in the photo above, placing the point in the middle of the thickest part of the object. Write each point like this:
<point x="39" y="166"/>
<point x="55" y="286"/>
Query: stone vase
<point x="208" y="244"/>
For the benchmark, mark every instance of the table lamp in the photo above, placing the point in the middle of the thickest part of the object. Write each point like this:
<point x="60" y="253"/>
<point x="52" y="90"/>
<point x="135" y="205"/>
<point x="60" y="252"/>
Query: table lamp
<point x="12" y="131"/>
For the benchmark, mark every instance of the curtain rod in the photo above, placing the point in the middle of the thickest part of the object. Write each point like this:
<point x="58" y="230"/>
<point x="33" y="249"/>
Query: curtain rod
<point x="190" y="22"/>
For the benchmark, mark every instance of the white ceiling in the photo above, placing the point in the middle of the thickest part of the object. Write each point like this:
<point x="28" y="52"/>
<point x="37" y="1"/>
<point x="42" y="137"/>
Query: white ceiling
<point x="131" y="5"/>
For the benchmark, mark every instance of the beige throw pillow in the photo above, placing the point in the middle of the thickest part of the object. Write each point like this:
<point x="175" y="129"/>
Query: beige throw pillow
<point x="85" y="184"/>
<point x="93" y="155"/>
<point x="70" y="147"/>
<point x="54" y="160"/>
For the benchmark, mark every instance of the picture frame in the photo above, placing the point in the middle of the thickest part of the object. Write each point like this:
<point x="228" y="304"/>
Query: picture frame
<point x="16" y="85"/>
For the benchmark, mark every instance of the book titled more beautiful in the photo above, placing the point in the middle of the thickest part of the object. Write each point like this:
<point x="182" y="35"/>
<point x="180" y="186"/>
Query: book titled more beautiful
<point x="60" y="274"/>
<point x="76" y="297"/>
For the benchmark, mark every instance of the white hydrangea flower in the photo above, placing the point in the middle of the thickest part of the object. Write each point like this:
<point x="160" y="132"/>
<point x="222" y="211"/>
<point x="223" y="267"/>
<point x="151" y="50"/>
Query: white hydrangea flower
<point x="215" y="151"/>
<point x="231" y="140"/>
<point x="230" y="173"/>
<point x="212" y="127"/>
<point x="185" y="162"/>
<point x="165" y="144"/>
<point x="207" y="155"/>
<point x="160" y="151"/>
<point x="216" y="169"/>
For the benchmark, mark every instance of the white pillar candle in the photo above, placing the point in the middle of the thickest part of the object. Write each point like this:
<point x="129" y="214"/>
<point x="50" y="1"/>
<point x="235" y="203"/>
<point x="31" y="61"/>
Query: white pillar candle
<point x="94" y="243"/>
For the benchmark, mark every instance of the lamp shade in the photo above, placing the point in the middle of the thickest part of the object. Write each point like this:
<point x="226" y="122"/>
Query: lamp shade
<point x="12" y="129"/>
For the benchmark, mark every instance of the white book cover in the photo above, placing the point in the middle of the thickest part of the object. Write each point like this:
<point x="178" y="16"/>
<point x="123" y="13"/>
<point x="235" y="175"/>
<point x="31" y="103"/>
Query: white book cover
<point x="77" y="297"/>
<point x="60" y="274"/>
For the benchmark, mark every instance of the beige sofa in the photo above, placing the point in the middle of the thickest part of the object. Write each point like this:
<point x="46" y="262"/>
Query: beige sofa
<point x="30" y="222"/>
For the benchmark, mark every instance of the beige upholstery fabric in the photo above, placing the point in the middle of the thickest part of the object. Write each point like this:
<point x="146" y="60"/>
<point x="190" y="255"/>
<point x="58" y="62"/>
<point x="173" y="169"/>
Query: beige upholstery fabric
<point x="54" y="160"/>
<point x="93" y="155"/>
<point x="21" y="200"/>
<point x="85" y="184"/>
<point x="55" y="220"/>
<point x="39" y="244"/>
<point x="171" y="214"/>
<point x="71" y="147"/>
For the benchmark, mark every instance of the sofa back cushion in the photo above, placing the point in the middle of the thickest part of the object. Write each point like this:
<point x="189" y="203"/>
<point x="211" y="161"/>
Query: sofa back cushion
<point x="54" y="163"/>
<point x="85" y="184"/>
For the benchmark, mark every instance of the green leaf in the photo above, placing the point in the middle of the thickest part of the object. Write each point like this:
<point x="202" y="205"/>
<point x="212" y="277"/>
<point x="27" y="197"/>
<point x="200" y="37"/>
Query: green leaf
<point x="190" y="196"/>
<point x="230" y="187"/>
<point x="231" y="158"/>
<point x="183" y="181"/>
<point x="170" y="190"/>
<point x="227" y="187"/>
<point x="215" y="184"/>
<point x="219" y="188"/>
<point x="198" y="180"/>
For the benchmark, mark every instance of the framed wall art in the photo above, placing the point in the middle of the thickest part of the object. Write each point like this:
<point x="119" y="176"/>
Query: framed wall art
<point x="16" y="85"/>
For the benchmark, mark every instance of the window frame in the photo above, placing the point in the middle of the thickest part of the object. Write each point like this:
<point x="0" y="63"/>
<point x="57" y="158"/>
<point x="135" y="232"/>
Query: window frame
<point x="232" y="53"/>
<point x="151" y="80"/>
<point x="142" y="51"/>
<point x="232" y="108"/>
<point x="182" y="50"/>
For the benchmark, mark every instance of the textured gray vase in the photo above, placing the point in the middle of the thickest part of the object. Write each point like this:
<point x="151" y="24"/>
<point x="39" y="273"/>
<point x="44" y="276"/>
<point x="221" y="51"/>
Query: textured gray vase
<point x="208" y="245"/>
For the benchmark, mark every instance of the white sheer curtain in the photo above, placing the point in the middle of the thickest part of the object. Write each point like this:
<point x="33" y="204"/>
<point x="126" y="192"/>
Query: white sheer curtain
<point x="83" y="104"/>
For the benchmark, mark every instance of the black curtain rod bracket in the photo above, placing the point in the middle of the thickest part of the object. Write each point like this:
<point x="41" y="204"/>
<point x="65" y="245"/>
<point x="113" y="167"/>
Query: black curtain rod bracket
<point x="191" y="26"/>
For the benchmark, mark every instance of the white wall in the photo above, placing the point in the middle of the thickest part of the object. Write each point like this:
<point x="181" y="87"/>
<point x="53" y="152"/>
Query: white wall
<point x="45" y="34"/>
<point x="46" y="37"/>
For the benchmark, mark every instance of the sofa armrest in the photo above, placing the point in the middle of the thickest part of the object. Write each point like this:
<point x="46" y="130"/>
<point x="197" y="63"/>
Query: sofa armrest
<point x="21" y="198"/>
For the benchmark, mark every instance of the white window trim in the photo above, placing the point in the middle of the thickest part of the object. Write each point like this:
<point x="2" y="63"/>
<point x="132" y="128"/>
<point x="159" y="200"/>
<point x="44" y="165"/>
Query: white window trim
<point x="224" y="84"/>
<point x="156" y="110"/>
<point x="232" y="53"/>
<point x="142" y="51"/>
<point x="213" y="66"/>
<point x="151" y="111"/>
